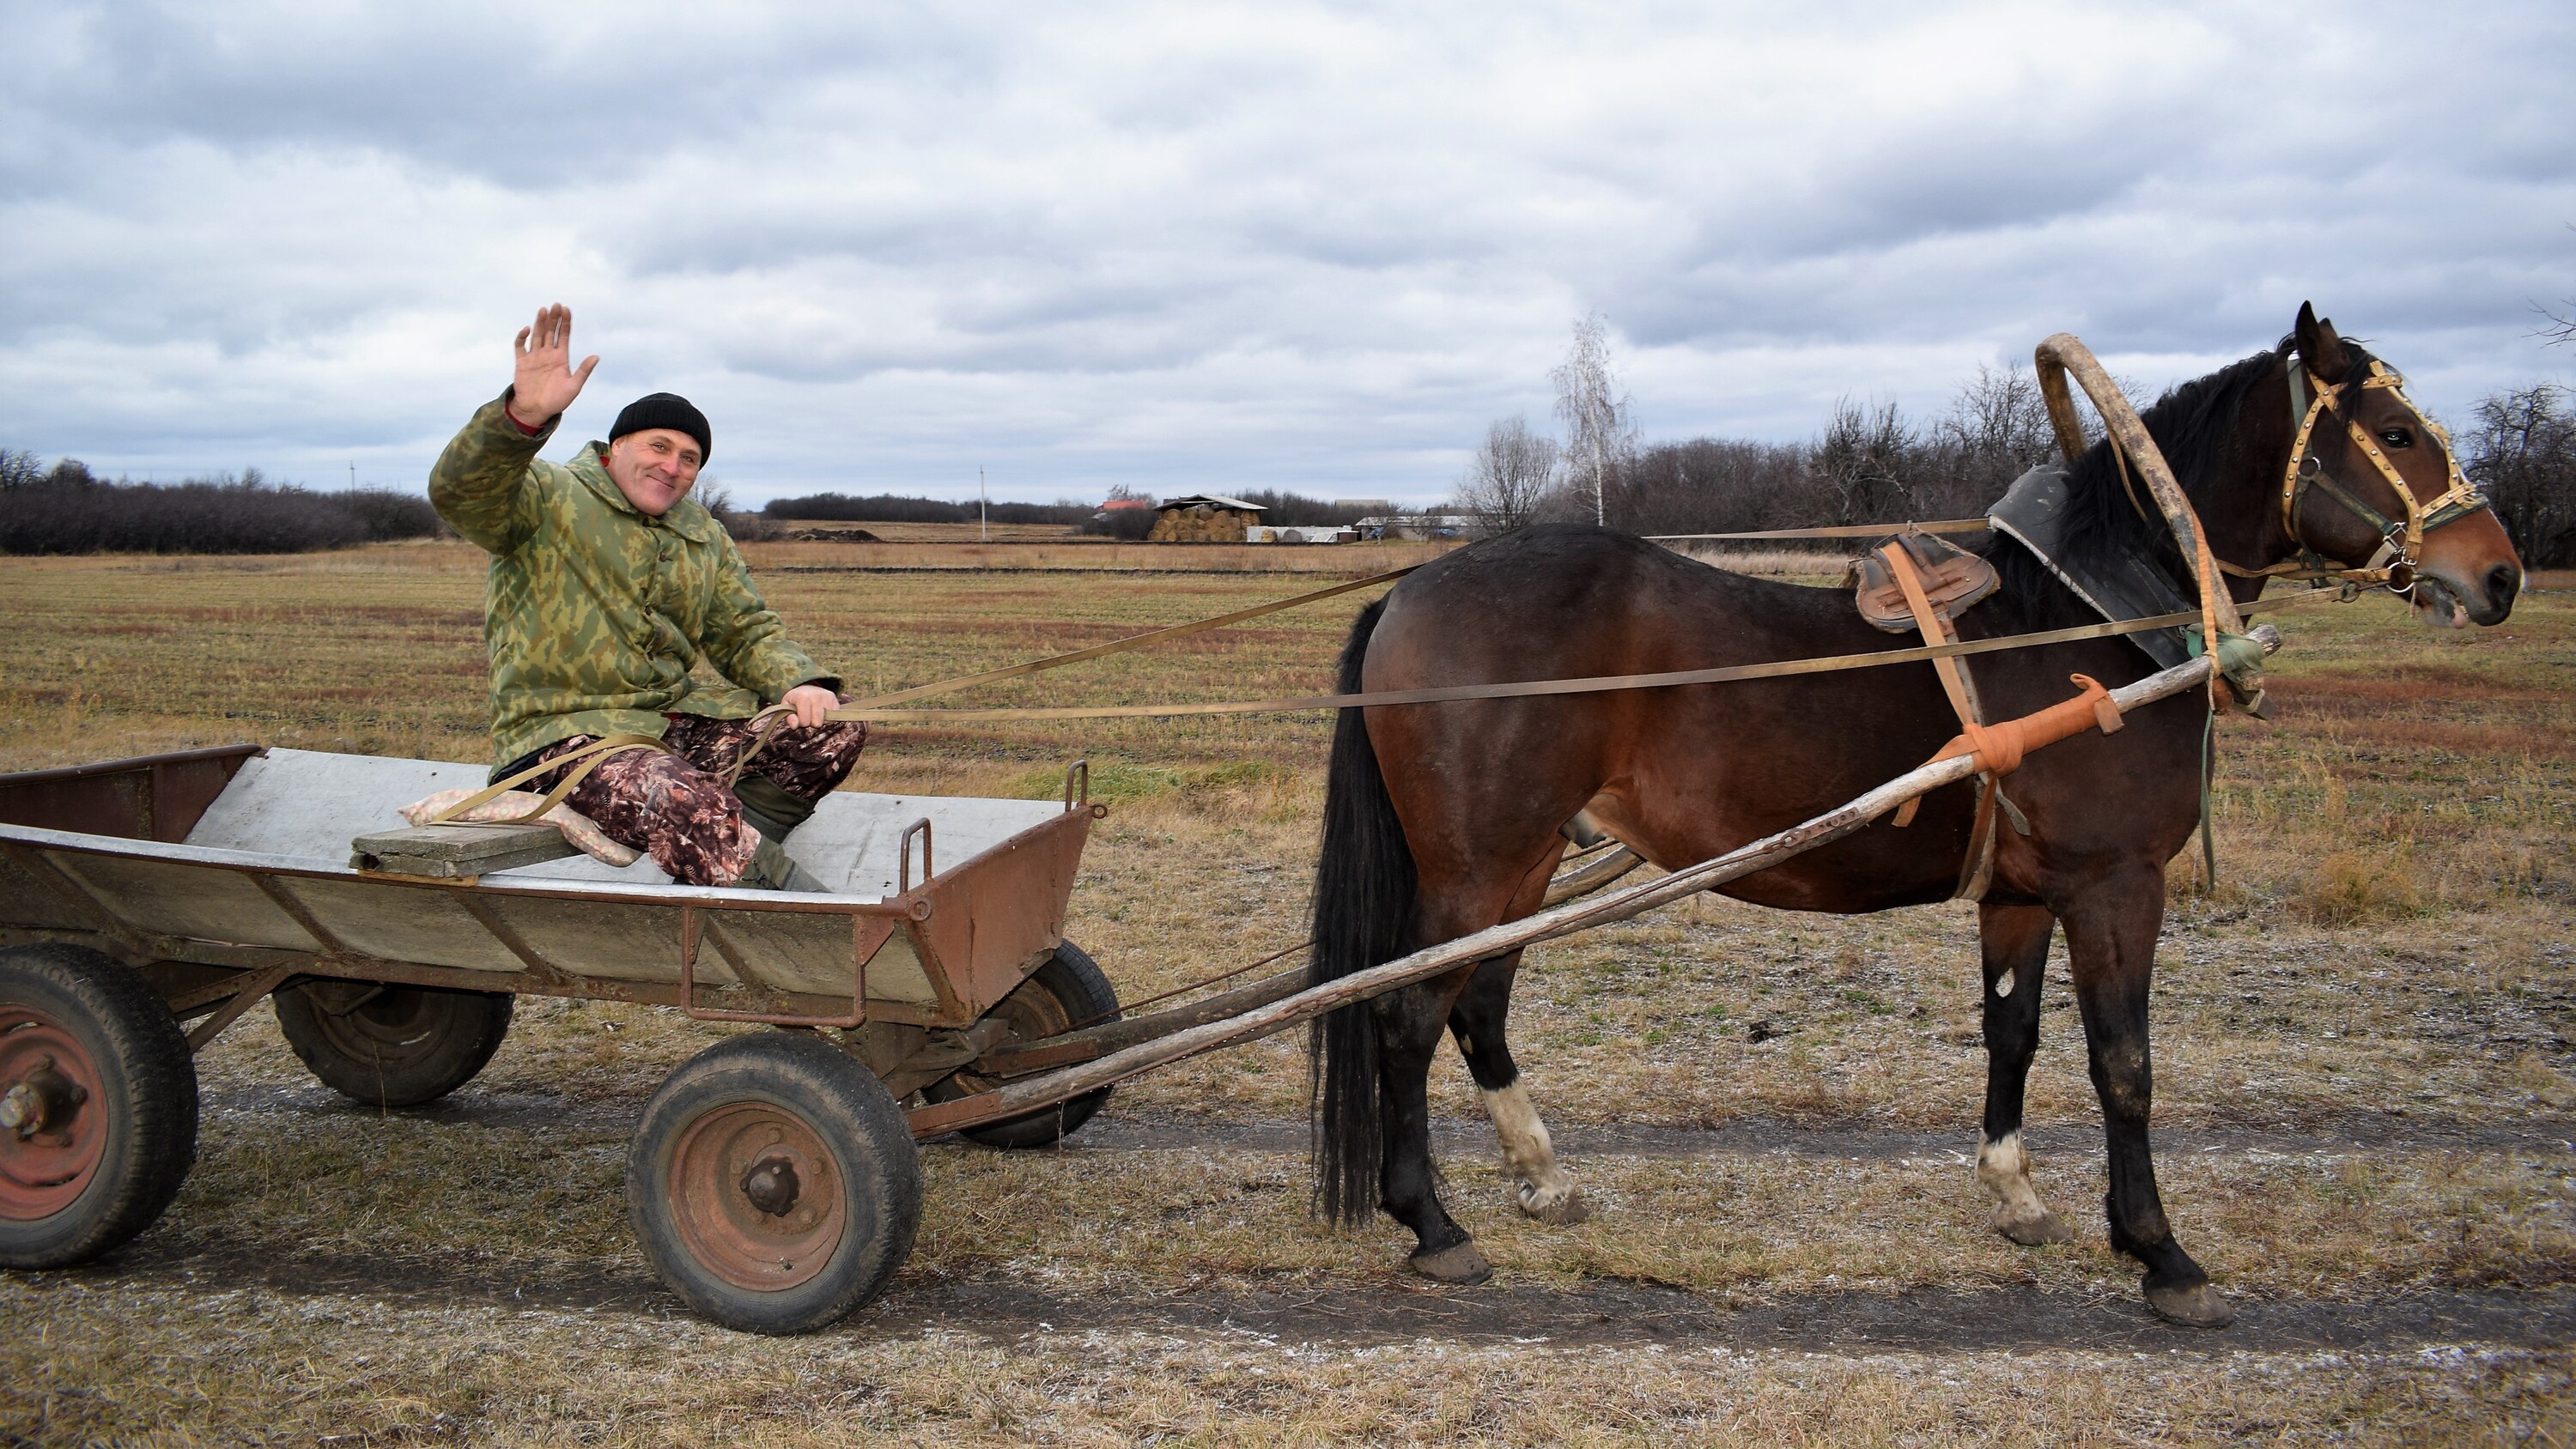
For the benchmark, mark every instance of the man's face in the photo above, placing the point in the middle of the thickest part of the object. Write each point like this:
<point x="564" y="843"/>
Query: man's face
<point x="653" y="468"/>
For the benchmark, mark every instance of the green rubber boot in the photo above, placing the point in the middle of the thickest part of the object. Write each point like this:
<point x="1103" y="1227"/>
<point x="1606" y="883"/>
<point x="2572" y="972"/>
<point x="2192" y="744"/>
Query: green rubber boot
<point x="769" y="808"/>
<point x="772" y="870"/>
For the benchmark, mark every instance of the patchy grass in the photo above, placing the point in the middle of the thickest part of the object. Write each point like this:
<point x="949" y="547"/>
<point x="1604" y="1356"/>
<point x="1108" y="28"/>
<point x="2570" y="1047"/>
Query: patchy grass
<point x="2384" y="968"/>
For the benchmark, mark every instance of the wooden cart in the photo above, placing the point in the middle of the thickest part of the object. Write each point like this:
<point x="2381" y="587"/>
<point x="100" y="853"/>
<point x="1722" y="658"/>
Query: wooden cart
<point x="773" y="1179"/>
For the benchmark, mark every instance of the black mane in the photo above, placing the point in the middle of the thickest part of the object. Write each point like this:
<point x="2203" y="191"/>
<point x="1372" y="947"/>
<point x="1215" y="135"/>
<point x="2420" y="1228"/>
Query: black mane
<point x="2191" y="424"/>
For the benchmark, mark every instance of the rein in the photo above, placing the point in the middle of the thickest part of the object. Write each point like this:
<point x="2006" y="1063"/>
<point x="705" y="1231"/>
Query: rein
<point x="1594" y="684"/>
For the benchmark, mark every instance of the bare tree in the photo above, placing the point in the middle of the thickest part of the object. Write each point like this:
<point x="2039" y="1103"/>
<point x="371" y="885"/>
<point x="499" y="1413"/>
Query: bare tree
<point x="18" y="469"/>
<point x="2523" y="456"/>
<point x="1861" y="463"/>
<point x="1996" y="429"/>
<point x="1508" y="476"/>
<point x="1599" y="434"/>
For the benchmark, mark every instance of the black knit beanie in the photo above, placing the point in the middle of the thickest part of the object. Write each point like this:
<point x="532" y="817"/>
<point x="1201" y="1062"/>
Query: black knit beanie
<point x="664" y="410"/>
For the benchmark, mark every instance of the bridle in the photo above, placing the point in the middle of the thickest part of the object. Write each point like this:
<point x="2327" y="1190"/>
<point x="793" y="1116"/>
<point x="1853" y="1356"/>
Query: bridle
<point x="2401" y="543"/>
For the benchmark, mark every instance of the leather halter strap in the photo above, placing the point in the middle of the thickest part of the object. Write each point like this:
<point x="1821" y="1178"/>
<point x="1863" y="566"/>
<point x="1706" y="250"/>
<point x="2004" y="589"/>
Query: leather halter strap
<point x="2401" y="543"/>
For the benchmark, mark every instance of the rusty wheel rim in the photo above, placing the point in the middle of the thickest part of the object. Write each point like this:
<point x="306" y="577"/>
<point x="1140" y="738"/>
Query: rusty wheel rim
<point x="725" y="1164"/>
<point x="45" y="1170"/>
<point x="1033" y="1013"/>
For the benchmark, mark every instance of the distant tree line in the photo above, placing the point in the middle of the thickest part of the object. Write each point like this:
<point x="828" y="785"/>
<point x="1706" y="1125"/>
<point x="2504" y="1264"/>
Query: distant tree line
<point x="68" y="509"/>
<point x="1873" y="464"/>
<point x="892" y="508"/>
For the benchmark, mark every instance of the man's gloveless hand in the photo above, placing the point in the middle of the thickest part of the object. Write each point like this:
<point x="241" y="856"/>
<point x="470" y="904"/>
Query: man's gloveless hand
<point x="811" y="703"/>
<point x="546" y="383"/>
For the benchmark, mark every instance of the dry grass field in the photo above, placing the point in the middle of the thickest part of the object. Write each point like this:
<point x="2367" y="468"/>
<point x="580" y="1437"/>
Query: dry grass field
<point x="2366" y="1108"/>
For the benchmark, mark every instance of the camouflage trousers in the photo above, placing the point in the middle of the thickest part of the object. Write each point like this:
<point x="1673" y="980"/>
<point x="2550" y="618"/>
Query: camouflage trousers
<point x="675" y="808"/>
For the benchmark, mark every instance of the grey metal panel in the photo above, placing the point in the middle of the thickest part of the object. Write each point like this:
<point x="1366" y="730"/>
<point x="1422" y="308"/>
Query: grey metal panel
<point x="308" y="805"/>
<point x="895" y="973"/>
<point x="34" y="904"/>
<point x="614" y="940"/>
<point x="791" y="952"/>
<point x="854" y="840"/>
<point x="402" y="923"/>
<point x="179" y="898"/>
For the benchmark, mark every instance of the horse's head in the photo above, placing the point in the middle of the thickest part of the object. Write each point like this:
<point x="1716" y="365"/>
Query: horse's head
<point x="2372" y="484"/>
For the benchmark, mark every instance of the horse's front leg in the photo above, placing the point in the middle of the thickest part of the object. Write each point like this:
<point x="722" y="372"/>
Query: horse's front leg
<point x="1544" y="1190"/>
<point x="1408" y="1023"/>
<point x="2015" y="944"/>
<point x="2111" y="942"/>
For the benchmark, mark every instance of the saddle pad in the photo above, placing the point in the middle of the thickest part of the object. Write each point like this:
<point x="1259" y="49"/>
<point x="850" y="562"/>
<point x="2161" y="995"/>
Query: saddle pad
<point x="2033" y="512"/>
<point x="1953" y="580"/>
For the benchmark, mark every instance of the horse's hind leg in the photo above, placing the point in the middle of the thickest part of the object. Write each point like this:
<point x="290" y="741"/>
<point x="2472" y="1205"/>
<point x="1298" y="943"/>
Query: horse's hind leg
<point x="2015" y="943"/>
<point x="1544" y="1189"/>
<point x="1408" y="1024"/>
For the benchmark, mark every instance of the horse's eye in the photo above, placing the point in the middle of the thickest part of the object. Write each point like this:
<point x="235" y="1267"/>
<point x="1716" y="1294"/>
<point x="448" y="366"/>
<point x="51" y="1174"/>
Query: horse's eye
<point x="2397" y="437"/>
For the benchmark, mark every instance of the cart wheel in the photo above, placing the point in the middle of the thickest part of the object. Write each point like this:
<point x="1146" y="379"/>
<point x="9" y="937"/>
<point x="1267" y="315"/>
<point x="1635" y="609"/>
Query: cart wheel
<point x="1068" y="989"/>
<point x="773" y="1183"/>
<point x="98" y="1105"/>
<point x="392" y="1046"/>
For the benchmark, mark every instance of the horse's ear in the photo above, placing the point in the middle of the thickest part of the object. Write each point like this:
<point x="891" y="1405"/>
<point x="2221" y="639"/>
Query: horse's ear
<point x="2319" y="347"/>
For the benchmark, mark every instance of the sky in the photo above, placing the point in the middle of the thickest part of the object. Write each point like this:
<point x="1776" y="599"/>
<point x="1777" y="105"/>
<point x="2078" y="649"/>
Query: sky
<point x="1209" y="247"/>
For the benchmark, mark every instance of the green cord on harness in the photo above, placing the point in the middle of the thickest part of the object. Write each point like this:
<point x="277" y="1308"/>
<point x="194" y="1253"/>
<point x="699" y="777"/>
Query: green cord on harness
<point x="2240" y="663"/>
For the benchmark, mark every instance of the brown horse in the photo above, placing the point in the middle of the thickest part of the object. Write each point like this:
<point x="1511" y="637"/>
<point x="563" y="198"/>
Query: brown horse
<point x="1443" y="819"/>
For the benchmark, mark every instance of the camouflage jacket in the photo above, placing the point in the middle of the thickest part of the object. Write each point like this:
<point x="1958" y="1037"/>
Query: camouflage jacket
<point x="596" y="612"/>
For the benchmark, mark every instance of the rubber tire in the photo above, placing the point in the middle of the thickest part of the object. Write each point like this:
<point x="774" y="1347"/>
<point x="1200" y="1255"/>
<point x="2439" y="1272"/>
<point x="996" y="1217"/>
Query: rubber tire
<point x="857" y="1120"/>
<point x="1070" y="987"/>
<point x="149" y="1082"/>
<point x="444" y="1037"/>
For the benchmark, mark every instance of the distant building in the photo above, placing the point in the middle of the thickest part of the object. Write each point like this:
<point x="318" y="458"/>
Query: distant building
<point x="1419" y="526"/>
<point x="1204" y="518"/>
<point x="1296" y="533"/>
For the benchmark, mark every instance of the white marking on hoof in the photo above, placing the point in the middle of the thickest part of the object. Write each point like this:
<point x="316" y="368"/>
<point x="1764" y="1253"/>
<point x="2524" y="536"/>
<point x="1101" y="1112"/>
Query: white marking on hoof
<point x="1544" y="1190"/>
<point x="2004" y="1167"/>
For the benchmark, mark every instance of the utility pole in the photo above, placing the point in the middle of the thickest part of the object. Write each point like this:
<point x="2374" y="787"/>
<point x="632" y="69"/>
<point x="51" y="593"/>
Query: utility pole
<point x="983" y="509"/>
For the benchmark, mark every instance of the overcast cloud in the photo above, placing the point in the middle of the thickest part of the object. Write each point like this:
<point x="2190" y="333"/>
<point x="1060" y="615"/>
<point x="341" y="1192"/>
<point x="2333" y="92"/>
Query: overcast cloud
<point x="1192" y="246"/>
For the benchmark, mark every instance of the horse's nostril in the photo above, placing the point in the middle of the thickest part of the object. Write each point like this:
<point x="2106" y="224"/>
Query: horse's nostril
<point x="2503" y="582"/>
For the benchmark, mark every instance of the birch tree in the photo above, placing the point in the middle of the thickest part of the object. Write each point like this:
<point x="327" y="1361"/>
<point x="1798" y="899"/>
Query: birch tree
<point x="1599" y="433"/>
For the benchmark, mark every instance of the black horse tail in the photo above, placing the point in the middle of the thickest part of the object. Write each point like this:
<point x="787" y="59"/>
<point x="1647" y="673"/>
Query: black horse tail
<point x="1364" y="893"/>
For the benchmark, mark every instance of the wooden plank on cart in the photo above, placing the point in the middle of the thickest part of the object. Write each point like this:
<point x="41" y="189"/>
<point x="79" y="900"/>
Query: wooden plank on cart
<point x="451" y="852"/>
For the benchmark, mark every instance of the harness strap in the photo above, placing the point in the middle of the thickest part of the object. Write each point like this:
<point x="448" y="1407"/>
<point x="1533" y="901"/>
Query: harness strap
<point x="761" y="733"/>
<point x="1977" y="868"/>
<point x="591" y="756"/>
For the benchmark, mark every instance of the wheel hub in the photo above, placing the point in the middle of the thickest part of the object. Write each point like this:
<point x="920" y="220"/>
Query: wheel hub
<point x="51" y="1138"/>
<point x="771" y="1185"/>
<point x="41" y="1101"/>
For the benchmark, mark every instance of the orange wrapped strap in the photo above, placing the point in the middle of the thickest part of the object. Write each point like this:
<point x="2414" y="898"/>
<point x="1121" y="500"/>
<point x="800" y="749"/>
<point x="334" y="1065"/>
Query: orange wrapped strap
<point x="1998" y="748"/>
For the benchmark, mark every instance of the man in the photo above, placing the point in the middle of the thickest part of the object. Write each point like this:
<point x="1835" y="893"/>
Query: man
<point x="608" y="585"/>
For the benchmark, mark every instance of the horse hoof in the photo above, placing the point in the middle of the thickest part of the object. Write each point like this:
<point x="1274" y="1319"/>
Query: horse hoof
<point x="2033" y="1232"/>
<point x="1562" y="1210"/>
<point x="1459" y="1263"/>
<point x="2198" y="1306"/>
